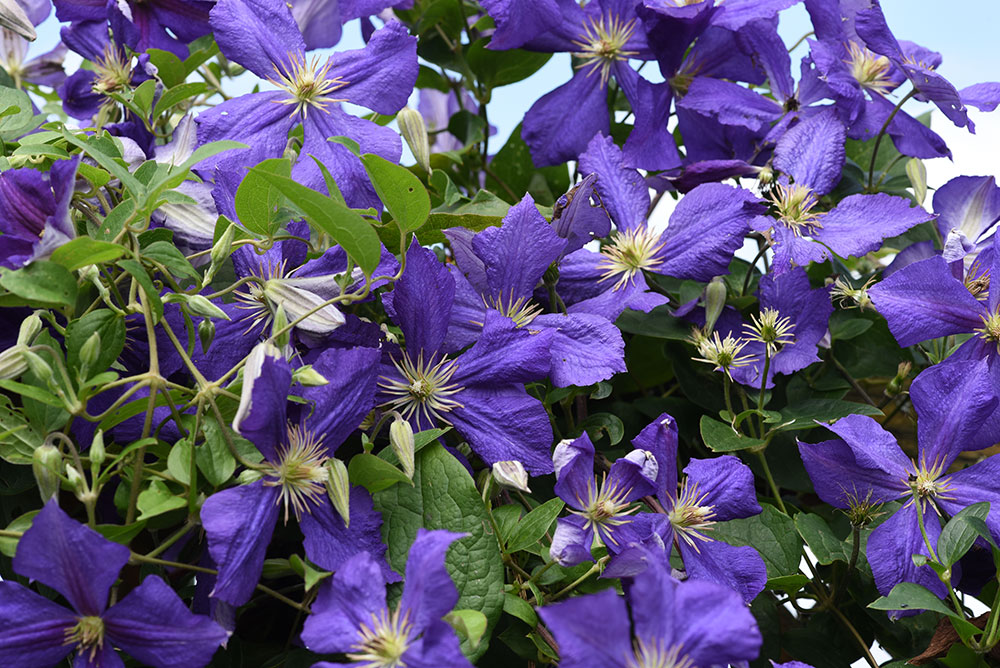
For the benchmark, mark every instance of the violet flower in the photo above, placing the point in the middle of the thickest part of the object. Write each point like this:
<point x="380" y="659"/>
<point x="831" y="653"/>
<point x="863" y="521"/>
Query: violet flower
<point x="151" y="623"/>
<point x="321" y="21"/>
<point x="598" y="509"/>
<point x="695" y="624"/>
<point x="350" y="615"/>
<point x="36" y="218"/>
<point x="866" y="465"/>
<point x="42" y="70"/>
<point x="968" y="207"/>
<point x="239" y="521"/>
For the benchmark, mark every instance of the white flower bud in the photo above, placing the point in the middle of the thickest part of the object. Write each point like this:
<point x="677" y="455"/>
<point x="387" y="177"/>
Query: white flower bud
<point x="90" y="351"/>
<point x="511" y="473"/>
<point x="13" y="362"/>
<point x="30" y="327"/>
<point x="338" y="488"/>
<point x="45" y="464"/>
<point x="97" y="453"/>
<point x="308" y="376"/>
<point x="402" y="442"/>
<point x="414" y="131"/>
<point x="715" y="301"/>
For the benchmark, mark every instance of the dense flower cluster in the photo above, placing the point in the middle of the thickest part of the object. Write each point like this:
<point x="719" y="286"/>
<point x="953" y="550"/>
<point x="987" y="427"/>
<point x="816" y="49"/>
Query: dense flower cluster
<point x="269" y="397"/>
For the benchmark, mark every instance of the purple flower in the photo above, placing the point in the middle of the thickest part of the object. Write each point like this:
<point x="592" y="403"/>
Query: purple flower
<point x="598" y="509"/>
<point x="262" y="36"/>
<point x="967" y="208"/>
<point x="150" y="623"/>
<point x="351" y="616"/>
<point x="43" y="70"/>
<point x="712" y="491"/>
<point x="35" y="219"/>
<point x="239" y="521"/>
<point x="499" y="269"/>
<point x="865" y="465"/>
<point x="321" y="21"/>
<point x="694" y="623"/>
<point x="481" y="391"/>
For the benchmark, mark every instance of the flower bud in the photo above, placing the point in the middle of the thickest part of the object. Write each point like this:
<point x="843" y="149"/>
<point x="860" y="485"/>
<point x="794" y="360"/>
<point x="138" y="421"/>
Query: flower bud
<point x="248" y="476"/>
<point x="308" y="376"/>
<point x="917" y="173"/>
<point x="97" y="453"/>
<point x="401" y="440"/>
<point x="197" y="305"/>
<point x="37" y="365"/>
<point x="12" y="362"/>
<point x="76" y="480"/>
<point x="30" y="327"/>
<point x="511" y="473"/>
<point x="279" y="323"/>
<point x="206" y="334"/>
<point x="414" y="131"/>
<point x="90" y="351"/>
<point x="338" y="488"/>
<point x="895" y="386"/>
<point x="45" y="464"/>
<point x="715" y="301"/>
<point x="220" y="251"/>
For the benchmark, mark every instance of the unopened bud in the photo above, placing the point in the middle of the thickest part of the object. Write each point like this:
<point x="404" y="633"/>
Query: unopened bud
<point x="197" y="304"/>
<point x="308" y="376"/>
<point x="37" y="365"/>
<point x="414" y="131"/>
<point x="765" y="176"/>
<point x="338" y="488"/>
<point x="280" y="323"/>
<point x="96" y="452"/>
<point x="90" y="351"/>
<point x="45" y="464"/>
<point x="220" y="252"/>
<point x="715" y="301"/>
<point x="895" y="386"/>
<point x="917" y="173"/>
<point x="30" y="327"/>
<point x="403" y="444"/>
<point x="13" y="362"/>
<point x="248" y="476"/>
<point x="511" y="473"/>
<point x="76" y="480"/>
<point x="206" y="334"/>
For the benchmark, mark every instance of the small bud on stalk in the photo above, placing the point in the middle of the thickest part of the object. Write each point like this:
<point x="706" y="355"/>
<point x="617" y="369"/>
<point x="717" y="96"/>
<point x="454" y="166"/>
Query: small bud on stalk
<point x="511" y="474"/>
<point x="414" y="131"/>
<point x="401" y="440"/>
<point x="338" y="488"/>
<point x="45" y="465"/>
<point x="715" y="301"/>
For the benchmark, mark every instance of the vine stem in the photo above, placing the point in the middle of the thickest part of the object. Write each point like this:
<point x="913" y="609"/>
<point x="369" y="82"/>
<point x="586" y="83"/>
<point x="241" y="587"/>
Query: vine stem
<point x="881" y="133"/>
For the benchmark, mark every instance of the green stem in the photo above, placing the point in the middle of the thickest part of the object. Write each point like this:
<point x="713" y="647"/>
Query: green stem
<point x="770" y="481"/>
<point x="576" y="583"/>
<point x="881" y="133"/>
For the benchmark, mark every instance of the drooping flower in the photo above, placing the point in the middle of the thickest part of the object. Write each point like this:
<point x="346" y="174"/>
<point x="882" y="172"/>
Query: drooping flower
<point x="952" y="401"/>
<point x="150" y="624"/>
<point x="35" y="218"/>
<point x="351" y="616"/>
<point x="239" y="521"/>
<point x="598" y="509"/>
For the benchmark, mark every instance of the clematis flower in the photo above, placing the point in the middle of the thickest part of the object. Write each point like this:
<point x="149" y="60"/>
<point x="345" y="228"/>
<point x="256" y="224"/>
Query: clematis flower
<point x="151" y="623"/>
<point x="952" y="402"/>
<point x="262" y="36"/>
<point x="351" y="616"/>
<point x="35" y="219"/>
<point x="598" y="509"/>
<point x="968" y="207"/>
<point x="499" y="269"/>
<point x="481" y="391"/>
<point x="694" y="624"/>
<point x="43" y="70"/>
<point x="239" y="521"/>
<point x="321" y="21"/>
<point x="712" y="491"/>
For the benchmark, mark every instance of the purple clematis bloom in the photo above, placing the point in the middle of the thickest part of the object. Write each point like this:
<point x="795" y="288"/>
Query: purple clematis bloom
<point x="968" y="207"/>
<point x="350" y="615"/>
<point x="35" y="219"/>
<point x="150" y="623"/>
<point x="43" y="70"/>
<point x="262" y="36"/>
<point x="599" y="509"/>
<point x="321" y="21"/>
<point x="866" y="465"/>
<point x="501" y="272"/>
<point x="713" y="490"/>
<point x="239" y="521"/>
<point x="693" y="624"/>
<point x="481" y="391"/>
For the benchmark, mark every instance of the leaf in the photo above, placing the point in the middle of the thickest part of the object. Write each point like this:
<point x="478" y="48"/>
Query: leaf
<point x="911" y="596"/>
<point x="109" y="326"/>
<point x="468" y="623"/>
<point x="533" y="526"/>
<point x="373" y="473"/>
<point x="32" y="392"/>
<point x="150" y="295"/>
<point x="18" y="438"/>
<point x="118" y="170"/>
<point x="258" y="201"/>
<point x="400" y="190"/>
<point x="444" y="496"/>
<point x="176" y="94"/>
<point x="8" y="546"/>
<point x="658" y="323"/>
<point x="518" y="607"/>
<point x="83" y="251"/>
<point x="42" y="281"/>
<point x="845" y="329"/>
<point x="512" y="165"/>
<point x="721" y="437"/>
<point x="169" y="67"/>
<point x="772" y="534"/>
<point x="959" y="533"/>
<point x="170" y="257"/>
<point x="156" y="500"/>
<point x="606" y="422"/>
<point x="122" y="534"/>
<point x="179" y="461"/>
<point x="501" y="68"/>
<point x="468" y="128"/>
<point x="17" y="110"/>
<point x="788" y="583"/>
<point x="805" y="414"/>
<point x="821" y="540"/>
<point x="345" y="226"/>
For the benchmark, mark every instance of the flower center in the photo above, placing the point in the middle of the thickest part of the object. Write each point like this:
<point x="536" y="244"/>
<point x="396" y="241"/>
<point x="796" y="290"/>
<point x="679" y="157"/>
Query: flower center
<point x="689" y="518"/>
<point x="521" y="310"/>
<point x="926" y="483"/>
<point x="770" y="329"/>
<point x="112" y="69"/>
<point x="655" y="655"/>
<point x="869" y="70"/>
<point x="724" y="354"/>
<point x="629" y="253"/>
<point x="606" y="507"/>
<point x="383" y="641"/>
<point x="307" y="83"/>
<point x="794" y="206"/>
<point x="602" y="44"/>
<point x="88" y="634"/>
<point x="299" y="471"/>
<point x="425" y="387"/>
<point x="991" y="327"/>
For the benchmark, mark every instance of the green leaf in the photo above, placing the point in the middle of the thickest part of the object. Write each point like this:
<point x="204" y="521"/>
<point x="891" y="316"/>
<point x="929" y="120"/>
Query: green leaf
<point x="213" y="457"/>
<point x="83" y="251"/>
<point x="470" y="624"/>
<point x="345" y="226"/>
<point x="109" y="326"/>
<point x="46" y="150"/>
<point x="959" y="533"/>
<point x="821" y="540"/>
<point x="122" y="534"/>
<point x="721" y="437"/>
<point x="18" y="438"/>
<point x="176" y="94"/>
<point x="533" y="526"/>
<point x="911" y="596"/>
<point x="444" y="496"/>
<point x="118" y="170"/>
<point x="115" y="221"/>
<point x="468" y="128"/>
<point x="501" y="68"/>
<point x="518" y="607"/>
<point x="150" y="295"/>
<point x="142" y="96"/>
<point x="400" y="190"/>
<point x="258" y="202"/>
<point x="170" y="257"/>
<point x="8" y="546"/>
<point x="179" y="461"/>
<point x="373" y="473"/>
<point x="845" y="329"/>
<point x="42" y="281"/>
<point x="512" y="165"/>
<point x="606" y="422"/>
<point x="32" y="392"/>
<point x="157" y="499"/>
<point x="169" y="67"/>
<point x="17" y="112"/>
<point x="772" y="534"/>
<point x="788" y="583"/>
<point x="658" y="323"/>
<point x="506" y="518"/>
<point x="804" y="414"/>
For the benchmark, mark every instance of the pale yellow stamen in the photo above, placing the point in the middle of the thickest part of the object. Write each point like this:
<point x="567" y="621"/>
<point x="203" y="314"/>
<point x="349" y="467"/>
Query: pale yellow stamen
<point x="307" y="83"/>
<point x="629" y="253"/>
<point x="425" y="388"/>
<point x="602" y="44"/>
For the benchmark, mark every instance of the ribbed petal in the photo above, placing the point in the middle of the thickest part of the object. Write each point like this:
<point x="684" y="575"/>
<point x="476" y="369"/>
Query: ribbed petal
<point x="660" y="438"/>
<point x="32" y="628"/>
<point x="343" y="403"/>
<point x="504" y="353"/>
<point x="812" y="152"/>
<point x="592" y="631"/>
<point x="329" y="544"/>
<point x="585" y="349"/>
<point x="420" y="301"/>
<point x="381" y="75"/>
<point x="730" y="104"/>
<point x="860" y="223"/>
<point x="727" y="485"/>
<point x="264" y="400"/>
<point x="622" y="190"/>
<point x="571" y="541"/>
<point x="559" y="125"/>
<point x="891" y="545"/>
<point x="346" y="602"/>
<point x="739" y="568"/>
<point x="970" y="204"/>
<point x="429" y="593"/>
<point x="260" y="35"/>
<point x="519" y="21"/>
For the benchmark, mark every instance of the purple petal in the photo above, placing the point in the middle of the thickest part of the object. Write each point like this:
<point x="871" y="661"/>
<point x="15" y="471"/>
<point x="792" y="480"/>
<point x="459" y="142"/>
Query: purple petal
<point x="970" y="204"/>
<point x="730" y="104"/>
<point x="574" y="466"/>
<point x="973" y="485"/>
<point x="468" y="313"/>
<point x="256" y="119"/>
<point x="571" y="541"/>
<point x="429" y="593"/>
<point x="319" y="21"/>
<point x="264" y="400"/>
<point x="420" y="301"/>
<point x="438" y="646"/>
<point x="909" y="136"/>
<point x="611" y="303"/>
<point x="891" y="545"/>
<point x="737" y="13"/>
<point x="32" y="628"/>
<point x="809" y="311"/>
<point x="860" y="223"/>
<point x="341" y="405"/>
<point x="345" y="603"/>
<point x="739" y="568"/>
<point x="727" y="485"/>
<point x="71" y="558"/>
<point x="504" y="353"/>
<point x="660" y="438"/>
<point x="578" y="219"/>
<point x="634" y="474"/>
<point x="329" y="544"/>
<point x="154" y="626"/>
<point x="812" y="152"/>
<point x="622" y="190"/>
<point x="460" y="239"/>
<point x="520" y="21"/>
<point x="650" y="145"/>
<point x="260" y="35"/>
<point x="839" y="477"/>
<point x="591" y="630"/>
<point x="585" y="348"/>
<point x="559" y="125"/>
<point x="381" y="75"/>
<point x="982" y="96"/>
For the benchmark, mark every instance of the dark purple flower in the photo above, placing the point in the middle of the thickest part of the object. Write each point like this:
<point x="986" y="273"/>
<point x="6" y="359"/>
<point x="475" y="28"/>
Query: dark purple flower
<point x="481" y="391"/>
<point x="865" y="465"/>
<point x="151" y="623"/>
<point x="599" y="509"/>
<point x="35" y="205"/>
<point x="351" y="616"/>
<point x="239" y="521"/>
<point x="694" y="623"/>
